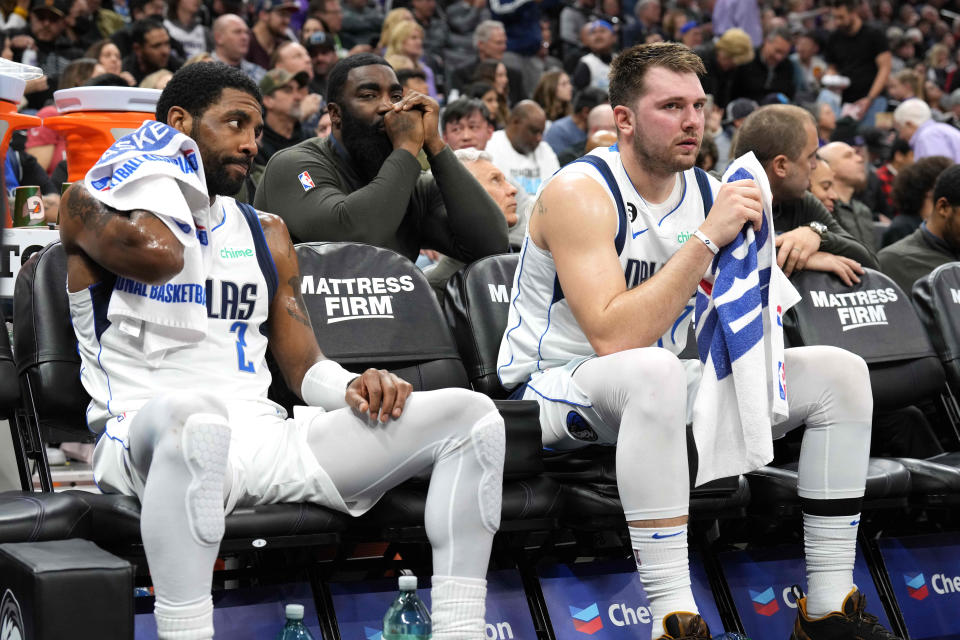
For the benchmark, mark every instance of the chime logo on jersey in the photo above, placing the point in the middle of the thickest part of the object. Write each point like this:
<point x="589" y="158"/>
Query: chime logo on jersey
<point x="764" y="602"/>
<point x="857" y="309"/>
<point x="306" y="181"/>
<point x="587" y="620"/>
<point x="916" y="586"/>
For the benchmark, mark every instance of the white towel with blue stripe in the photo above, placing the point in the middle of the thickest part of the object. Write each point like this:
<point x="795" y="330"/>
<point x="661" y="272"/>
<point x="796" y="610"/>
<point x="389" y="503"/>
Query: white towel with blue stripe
<point x="158" y="169"/>
<point x="740" y="339"/>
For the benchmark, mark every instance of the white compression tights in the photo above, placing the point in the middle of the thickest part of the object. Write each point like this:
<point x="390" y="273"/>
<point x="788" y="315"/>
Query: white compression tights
<point x="642" y="393"/>
<point x="458" y="433"/>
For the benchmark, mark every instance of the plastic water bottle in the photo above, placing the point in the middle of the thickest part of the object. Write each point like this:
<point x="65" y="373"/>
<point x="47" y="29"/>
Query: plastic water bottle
<point x="294" y="629"/>
<point x="407" y="618"/>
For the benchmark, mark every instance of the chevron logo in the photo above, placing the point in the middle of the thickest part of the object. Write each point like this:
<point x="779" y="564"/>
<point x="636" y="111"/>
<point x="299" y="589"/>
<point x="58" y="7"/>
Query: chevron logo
<point x="587" y="620"/>
<point x="916" y="586"/>
<point x="373" y="634"/>
<point x="764" y="602"/>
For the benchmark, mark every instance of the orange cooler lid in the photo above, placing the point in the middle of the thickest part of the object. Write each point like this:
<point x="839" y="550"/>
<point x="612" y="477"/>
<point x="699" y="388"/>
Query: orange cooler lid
<point x="106" y="99"/>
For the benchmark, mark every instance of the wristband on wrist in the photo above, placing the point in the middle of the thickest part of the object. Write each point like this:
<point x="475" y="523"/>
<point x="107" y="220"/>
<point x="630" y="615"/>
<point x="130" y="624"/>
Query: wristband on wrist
<point x="702" y="237"/>
<point x="325" y="385"/>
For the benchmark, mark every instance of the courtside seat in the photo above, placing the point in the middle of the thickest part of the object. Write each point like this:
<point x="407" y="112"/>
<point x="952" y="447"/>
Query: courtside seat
<point x="49" y="368"/>
<point x="937" y="304"/>
<point x="371" y="307"/>
<point x="477" y="307"/>
<point x="30" y="517"/>
<point x="875" y="320"/>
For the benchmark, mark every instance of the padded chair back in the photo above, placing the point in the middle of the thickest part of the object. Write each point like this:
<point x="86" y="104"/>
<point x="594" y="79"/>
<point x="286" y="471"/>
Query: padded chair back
<point x="373" y="307"/>
<point x="937" y="299"/>
<point x="45" y="346"/>
<point x="9" y="385"/>
<point x="875" y="320"/>
<point x="477" y="306"/>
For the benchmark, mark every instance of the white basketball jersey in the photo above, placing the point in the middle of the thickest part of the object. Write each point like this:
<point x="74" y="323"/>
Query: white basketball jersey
<point x="542" y="331"/>
<point x="230" y="362"/>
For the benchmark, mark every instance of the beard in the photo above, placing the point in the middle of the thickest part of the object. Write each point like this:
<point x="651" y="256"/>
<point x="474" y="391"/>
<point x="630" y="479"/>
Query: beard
<point x="660" y="160"/>
<point x="219" y="182"/>
<point x="368" y="144"/>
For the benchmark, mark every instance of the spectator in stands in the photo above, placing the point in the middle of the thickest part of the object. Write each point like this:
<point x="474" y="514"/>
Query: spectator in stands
<point x="231" y="37"/>
<point x="913" y="195"/>
<point x="463" y="17"/>
<point x="850" y="176"/>
<point x="571" y="130"/>
<point x="809" y="63"/>
<point x="914" y="122"/>
<point x="363" y="183"/>
<point x="362" y="20"/>
<point x="139" y="10"/>
<point x="935" y="242"/>
<point x="554" y="93"/>
<point x="156" y="80"/>
<point x="406" y="41"/>
<point x="600" y="121"/>
<point x="48" y="39"/>
<point x="728" y="14"/>
<point x="490" y="43"/>
<point x="106" y="21"/>
<point x="495" y="102"/>
<point x="282" y="94"/>
<point x="433" y="21"/>
<point x="573" y="17"/>
<point x="413" y="80"/>
<point x="901" y="155"/>
<point x="521" y="20"/>
<point x="826" y="121"/>
<point x="721" y="59"/>
<point x="323" y="55"/>
<point x="737" y="112"/>
<point x="784" y="139"/>
<point x="903" y="85"/>
<point x="184" y="24"/>
<point x="108" y="55"/>
<point x="310" y="27"/>
<point x="466" y="123"/>
<point x="821" y="184"/>
<point x="392" y="19"/>
<point x="859" y="52"/>
<point x="519" y="150"/>
<point x="646" y="24"/>
<point x="151" y="50"/>
<point x="770" y="71"/>
<point x="331" y="15"/>
<point x="271" y="28"/>
<point x="593" y="68"/>
<point x="481" y="167"/>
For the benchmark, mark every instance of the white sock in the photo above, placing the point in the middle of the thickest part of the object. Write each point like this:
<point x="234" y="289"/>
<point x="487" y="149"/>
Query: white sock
<point x="459" y="605"/>
<point x="664" y="569"/>
<point x="830" y="543"/>
<point x="190" y="621"/>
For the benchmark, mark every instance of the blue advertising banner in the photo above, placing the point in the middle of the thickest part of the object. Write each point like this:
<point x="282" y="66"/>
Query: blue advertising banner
<point x="606" y="600"/>
<point x="925" y="574"/>
<point x="760" y="582"/>
<point x="360" y="606"/>
<point x="256" y="613"/>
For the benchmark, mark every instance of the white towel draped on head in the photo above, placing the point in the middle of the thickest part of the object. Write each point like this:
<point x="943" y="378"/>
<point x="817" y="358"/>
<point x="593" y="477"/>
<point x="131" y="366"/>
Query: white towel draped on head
<point x="740" y="339"/>
<point x="158" y="169"/>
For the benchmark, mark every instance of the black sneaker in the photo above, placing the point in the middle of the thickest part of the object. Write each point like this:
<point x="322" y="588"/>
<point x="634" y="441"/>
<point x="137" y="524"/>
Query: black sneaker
<point x="684" y="624"/>
<point x="852" y="621"/>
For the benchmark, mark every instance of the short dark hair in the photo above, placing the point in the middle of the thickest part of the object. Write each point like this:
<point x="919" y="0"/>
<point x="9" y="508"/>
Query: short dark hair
<point x="948" y="185"/>
<point x="464" y="108"/>
<point x="140" y="29"/>
<point x="338" y="75"/>
<point x="106" y="80"/>
<point x="901" y="146"/>
<point x="915" y="181"/>
<point x="197" y="86"/>
<point x="849" y="5"/>
<point x="589" y="98"/>
<point x="137" y="5"/>
<point x="628" y="70"/>
<point x="773" y="130"/>
<point x="405" y="74"/>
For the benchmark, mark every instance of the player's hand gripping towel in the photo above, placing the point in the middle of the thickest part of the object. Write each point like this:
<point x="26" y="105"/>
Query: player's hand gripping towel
<point x="158" y="169"/>
<point x="740" y="339"/>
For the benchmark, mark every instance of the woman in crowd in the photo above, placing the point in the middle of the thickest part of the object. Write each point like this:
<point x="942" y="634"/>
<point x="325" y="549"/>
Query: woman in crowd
<point x="184" y="25"/>
<point x="405" y="40"/>
<point x="495" y="73"/>
<point x="554" y="93"/>
<point x="108" y="55"/>
<point x="390" y="21"/>
<point x="496" y="103"/>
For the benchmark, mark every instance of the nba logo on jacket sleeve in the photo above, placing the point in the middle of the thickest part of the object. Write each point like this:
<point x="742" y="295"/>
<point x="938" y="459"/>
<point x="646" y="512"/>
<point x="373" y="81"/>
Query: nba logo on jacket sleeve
<point x="306" y="181"/>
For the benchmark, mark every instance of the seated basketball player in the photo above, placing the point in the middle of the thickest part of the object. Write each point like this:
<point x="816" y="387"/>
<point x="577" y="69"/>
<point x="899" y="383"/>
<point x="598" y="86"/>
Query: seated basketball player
<point x="597" y="352"/>
<point x="195" y="435"/>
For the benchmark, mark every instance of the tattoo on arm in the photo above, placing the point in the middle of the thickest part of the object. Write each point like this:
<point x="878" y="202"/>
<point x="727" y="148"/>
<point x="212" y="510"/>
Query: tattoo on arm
<point x="541" y="208"/>
<point x="296" y="308"/>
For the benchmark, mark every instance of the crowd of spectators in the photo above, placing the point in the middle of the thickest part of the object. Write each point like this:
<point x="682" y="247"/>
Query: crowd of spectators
<point x="525" y="81"/>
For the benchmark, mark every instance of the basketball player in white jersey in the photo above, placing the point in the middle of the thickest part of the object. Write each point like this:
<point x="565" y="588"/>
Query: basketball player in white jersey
<point x="600" y="308"/>
<point x="194" y="435"/>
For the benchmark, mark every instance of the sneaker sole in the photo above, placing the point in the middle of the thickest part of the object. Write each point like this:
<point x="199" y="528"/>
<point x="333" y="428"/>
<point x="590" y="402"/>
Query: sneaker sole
<point x="206" y="444"/>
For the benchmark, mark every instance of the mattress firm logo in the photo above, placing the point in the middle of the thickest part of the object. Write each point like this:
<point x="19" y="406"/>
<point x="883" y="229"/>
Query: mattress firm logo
<point x="11" y="619"/>
<point x="356" y="298"/>
<point x="857" y="309"/>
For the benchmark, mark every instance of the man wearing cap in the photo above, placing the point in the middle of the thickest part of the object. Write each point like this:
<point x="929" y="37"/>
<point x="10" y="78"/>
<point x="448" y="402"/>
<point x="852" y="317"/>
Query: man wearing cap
<point x="721" y="59"/>
<point x="47" y="26"/>
<point x="323" y="55"/>
<point x="914" y="122"/>
<point x="283" y="93"/>
<point x="771" y="70"/>
<point x="594" y="68"/>
<point x="151" y="50"/>
<point x="272" y="27"/>
<point x="737" y="111"/>
<point x="231" y="39"/>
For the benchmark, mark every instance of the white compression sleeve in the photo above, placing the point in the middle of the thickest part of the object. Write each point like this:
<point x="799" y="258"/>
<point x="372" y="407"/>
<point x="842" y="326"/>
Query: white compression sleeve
<point x="325" y="385"/>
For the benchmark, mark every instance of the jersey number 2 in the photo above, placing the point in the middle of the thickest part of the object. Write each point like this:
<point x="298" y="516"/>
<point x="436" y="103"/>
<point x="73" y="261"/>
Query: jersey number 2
<point x="240" y="328"/>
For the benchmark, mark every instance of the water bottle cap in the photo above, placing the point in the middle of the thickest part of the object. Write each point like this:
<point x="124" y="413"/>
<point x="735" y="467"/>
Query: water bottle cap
<point x="294" y="611"/>
<point x="408" y="583"/>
